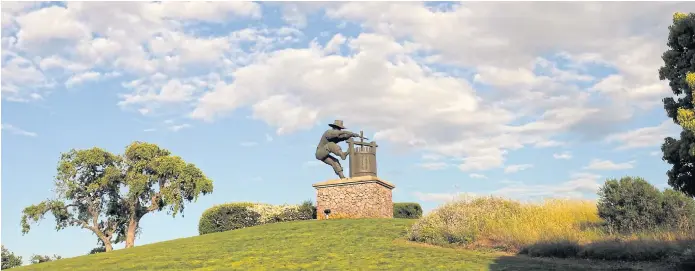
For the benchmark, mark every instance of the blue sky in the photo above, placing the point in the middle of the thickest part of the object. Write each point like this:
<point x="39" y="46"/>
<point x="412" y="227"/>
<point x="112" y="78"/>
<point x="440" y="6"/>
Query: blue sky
<point x="459" y="100"/>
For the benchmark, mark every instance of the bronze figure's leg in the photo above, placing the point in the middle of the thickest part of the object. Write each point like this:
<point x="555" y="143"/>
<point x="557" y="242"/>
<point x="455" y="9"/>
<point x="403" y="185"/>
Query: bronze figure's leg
<point x="335" y="149"/>
<point x="333" y="162"/>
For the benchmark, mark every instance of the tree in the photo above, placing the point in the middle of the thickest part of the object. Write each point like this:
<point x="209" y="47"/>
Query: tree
<point x="630" y="204"/>
<point x="87" y="185"/>
<point x="679" y="70"/>
<point x="44" y="258"/>
<point x="157" y="180"/>
<point x="109" y="194"/>
<point x="9" y="260"/>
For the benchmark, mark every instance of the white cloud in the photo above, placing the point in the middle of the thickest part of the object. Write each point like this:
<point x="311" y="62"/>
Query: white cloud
<point x="644" y="137"/>
<point x="517" y="168"/>
<point x="17" y="131"/>
<point x="150" y="130"/>
<point x="564" y="155"/>
<point x="268" y="138"/>
<point x="548" y="143"/>
<point x="81" y="78"/>
<point x="179" y="127"/>
<point x="477" y="176"/>
<point x="523" y="99"/>
<point x="442" y="197"/>
<point x="578" y="185"/>
<point x="599" y="164"/>
<point x="655" y="153"/>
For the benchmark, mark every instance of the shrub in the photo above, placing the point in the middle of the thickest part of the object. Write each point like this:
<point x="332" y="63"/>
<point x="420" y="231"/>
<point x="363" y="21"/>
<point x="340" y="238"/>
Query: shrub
<point x="678" y="211"/>
<point x="505" y="223"/>
<point x="9" y="260"/>
<point x="233" y="216"/>
<point x="44" y="258"/>
<point x="630" y="204"/>
<point x="407" y="210"/>
<point x="307" y="210"/>
<point x="97" y="250"/>
<point x="229" y="216"/>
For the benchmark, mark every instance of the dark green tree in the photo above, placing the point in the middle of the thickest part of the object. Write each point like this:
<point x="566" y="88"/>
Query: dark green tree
<point x="679" y="70"/>
<point x="86" y="187"/>
<point x="44" y="258"/>
<point x="9" y="260"/>
<point x="630" y="204"/>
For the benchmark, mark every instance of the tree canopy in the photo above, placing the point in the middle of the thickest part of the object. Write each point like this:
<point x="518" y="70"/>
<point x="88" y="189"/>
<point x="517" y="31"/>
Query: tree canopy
<point x="679" y="70"/>
<point x="108" y="194"/>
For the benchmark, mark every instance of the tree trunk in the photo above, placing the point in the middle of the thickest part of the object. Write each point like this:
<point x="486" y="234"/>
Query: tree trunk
<point x="107" y="246"/>
<point x="107" y="241"/>
<point x="130" y="235"/>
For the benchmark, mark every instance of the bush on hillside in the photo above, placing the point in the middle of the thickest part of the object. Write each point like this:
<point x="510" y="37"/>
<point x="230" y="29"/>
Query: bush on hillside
<point x="678" y="211"/>
<point x="97" y="250"/>
<point x="229" y="216"/>
<point x="503" y="223"/>
<point x="630" y="204"/>
<point x="233" y="216"/>
<point x="407" y="210"/>
<point x="281" y="213"/>
<point x="308" y="209"/>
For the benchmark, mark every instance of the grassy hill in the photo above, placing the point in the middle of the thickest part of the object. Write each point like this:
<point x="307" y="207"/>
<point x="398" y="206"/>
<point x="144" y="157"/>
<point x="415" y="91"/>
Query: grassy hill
<point x="361" y="244"/>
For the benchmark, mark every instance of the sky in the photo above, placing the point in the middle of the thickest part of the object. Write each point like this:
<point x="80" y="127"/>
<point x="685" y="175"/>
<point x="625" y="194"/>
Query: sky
<point x="520" y="100"/>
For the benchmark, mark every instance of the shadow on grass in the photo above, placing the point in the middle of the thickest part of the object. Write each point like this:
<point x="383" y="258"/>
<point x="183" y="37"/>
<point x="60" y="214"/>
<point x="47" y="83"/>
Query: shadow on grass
<point x="611" y="254"/>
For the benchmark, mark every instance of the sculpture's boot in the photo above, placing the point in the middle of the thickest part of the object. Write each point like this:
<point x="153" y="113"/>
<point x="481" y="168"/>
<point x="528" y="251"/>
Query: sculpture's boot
<point x="344" y="155"/>
<point x="340" y="174"/>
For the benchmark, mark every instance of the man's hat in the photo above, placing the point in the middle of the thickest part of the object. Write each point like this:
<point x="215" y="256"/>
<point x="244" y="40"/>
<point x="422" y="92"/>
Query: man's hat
<point x="337" y="124"/>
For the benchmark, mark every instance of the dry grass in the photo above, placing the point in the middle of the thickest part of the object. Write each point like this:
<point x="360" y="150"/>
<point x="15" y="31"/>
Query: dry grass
<point x="512" y="225"/>
<point x="507" y="224"/>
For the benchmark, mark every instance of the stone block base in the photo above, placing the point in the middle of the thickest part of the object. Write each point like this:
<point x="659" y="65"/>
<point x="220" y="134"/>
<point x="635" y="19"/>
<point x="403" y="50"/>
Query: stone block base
<point x="359" y="197"/>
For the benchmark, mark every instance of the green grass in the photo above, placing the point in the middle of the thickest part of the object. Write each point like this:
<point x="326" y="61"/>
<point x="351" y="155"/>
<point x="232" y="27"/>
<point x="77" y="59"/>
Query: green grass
<point x="360" y="244"/>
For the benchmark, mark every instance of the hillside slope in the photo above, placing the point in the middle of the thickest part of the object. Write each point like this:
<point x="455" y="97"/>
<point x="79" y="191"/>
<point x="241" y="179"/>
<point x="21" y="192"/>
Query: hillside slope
<point x="363" y="244"/>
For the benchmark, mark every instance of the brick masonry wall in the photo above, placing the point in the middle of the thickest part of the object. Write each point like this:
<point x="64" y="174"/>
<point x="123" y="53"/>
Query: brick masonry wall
<point x="355" y="200"/>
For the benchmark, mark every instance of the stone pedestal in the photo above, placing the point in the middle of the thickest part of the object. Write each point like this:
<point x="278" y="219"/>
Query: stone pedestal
<point x="357" y="197"/>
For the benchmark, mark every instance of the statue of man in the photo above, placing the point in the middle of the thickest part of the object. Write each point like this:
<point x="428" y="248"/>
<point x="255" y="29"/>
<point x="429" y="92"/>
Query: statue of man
<point x="329" y="144"/>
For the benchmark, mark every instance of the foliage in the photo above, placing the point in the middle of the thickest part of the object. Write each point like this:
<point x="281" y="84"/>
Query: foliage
<point x="232" y="216"/>
<point x="678" y="211"/>
<point x="157" y="180"/>
<point x="228" y="216"/>
<point x="630" y="204"/>
<point x="87" y="186"/>
<point x="108" y="194"/>
<point x="407" y="210"/>
<point x="44" y="258"/>
<point x="9" y="260"/>
<point x="308" y="209"/>
<point x="505" y="224"/>
<point x="350" y="244"/>
<point x="679" y="69"/>
<point x="97" y="250"/>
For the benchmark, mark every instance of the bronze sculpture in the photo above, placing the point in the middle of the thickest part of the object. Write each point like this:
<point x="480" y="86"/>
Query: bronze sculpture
<point x="329" y="144"/>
